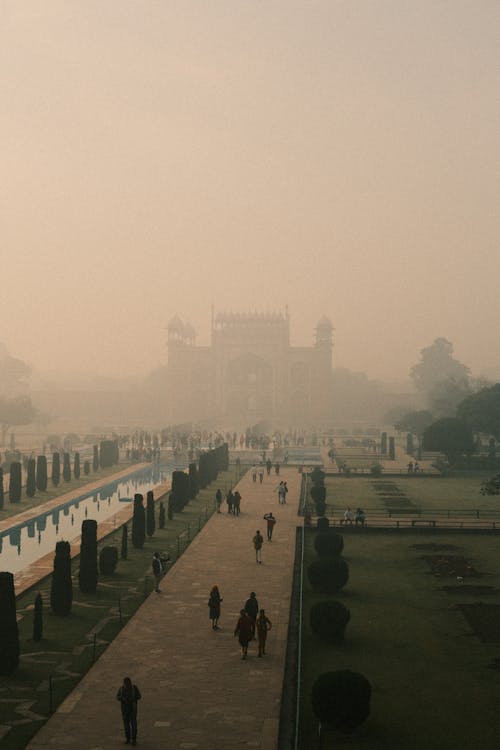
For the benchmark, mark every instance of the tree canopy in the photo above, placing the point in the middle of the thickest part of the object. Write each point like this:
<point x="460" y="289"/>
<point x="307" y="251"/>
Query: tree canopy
<point x="14" y="412"/>
<point x="414" y="421"/>
<point x="451" y="436"/>
<point x="481" y="410"/>
<point x="436" y="365"/>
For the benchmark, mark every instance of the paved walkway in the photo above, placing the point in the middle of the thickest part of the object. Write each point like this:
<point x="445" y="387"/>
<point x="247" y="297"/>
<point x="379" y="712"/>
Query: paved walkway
<point x="197" y="692"/>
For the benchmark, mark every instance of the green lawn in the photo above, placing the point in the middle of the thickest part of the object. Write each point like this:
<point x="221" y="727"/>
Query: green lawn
<point x="427" y="493"/>
<point x="66" y="650"/>
<point x="12" y="509"/>
<point x="429" y="674"/>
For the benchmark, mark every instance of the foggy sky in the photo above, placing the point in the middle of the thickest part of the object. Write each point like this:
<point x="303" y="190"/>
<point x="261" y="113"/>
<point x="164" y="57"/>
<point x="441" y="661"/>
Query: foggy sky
<point x="338" y="157"/>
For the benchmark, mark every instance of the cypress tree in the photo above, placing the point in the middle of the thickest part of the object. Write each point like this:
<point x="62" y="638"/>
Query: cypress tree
<point x="66" y="468"/>
<point x="150" y="514"/>
<point x="76" y="466"/>
<point x="87" y="576"/>
<point x="95" y="460"/>
<point x="1" y="489"/>
<point x="124" y="549"/>
<point x="30" y="478"/>
<point x="61" y="592"/>
<point x="15" y="482"/>
<point x="138" y="523"/>
<point x="9" y="633"/>
<point x="41" y="474"/>
<point x="56" y="469"/>
<point x="86" y="467"/>
<point x="38" y="618"/>
<point x="161" y="516"/>
<point x="193" y="481"/>
<point x="392" y="448"/>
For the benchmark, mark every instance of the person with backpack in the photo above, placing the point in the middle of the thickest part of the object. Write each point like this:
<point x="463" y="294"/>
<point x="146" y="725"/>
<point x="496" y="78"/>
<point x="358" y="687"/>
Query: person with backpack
<point x="257" y="544"/>
<point x="128" y="695"/>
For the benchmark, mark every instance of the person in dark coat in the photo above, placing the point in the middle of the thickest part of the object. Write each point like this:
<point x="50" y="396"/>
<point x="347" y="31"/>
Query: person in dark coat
<point x="218" y="500"/>
<point x="252" y="609"/>
<point x="128" y="695"/>
<point x="263" y="626"/>
<point x="244" y="632"/>
<point x="230" y="501"/>
<point x="214" y="606"/>
<point x="236" y="503"/>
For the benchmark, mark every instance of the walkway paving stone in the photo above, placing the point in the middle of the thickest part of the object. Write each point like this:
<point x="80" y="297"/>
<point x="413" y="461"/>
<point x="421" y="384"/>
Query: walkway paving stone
<point x="196" y="690"/>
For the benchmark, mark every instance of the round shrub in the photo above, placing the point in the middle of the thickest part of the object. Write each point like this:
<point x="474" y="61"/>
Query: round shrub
<point x="341" y="699"/>
<point x="108" y="560"/>
<point x="328" y="544"/>
<point x="318" y="493"/>
<point x="329" y="619"/>
<point x="320" y="506"/>
<point x="323" y="524"/>
<point x="328" y="574"/>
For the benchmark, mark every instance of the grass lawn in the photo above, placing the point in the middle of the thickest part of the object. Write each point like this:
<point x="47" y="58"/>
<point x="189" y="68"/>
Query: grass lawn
<point x="66" y="650"/>
<point x="431" y="685"/>
<point x="12" y="509"/>
<point x="428" y="493"/>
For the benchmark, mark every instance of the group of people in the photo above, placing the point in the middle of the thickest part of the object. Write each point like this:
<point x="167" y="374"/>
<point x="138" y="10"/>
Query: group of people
<point x="349" y="518"/>
<point x="264" y="467"/>
<point x="233" y="500"/>
<point x="282" y="491"/>
<point x="252" y="621"/>
<point x="414" y="468"/>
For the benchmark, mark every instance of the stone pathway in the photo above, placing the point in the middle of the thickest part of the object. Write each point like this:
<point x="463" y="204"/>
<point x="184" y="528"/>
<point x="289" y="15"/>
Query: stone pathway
<point x="197" y="692"/>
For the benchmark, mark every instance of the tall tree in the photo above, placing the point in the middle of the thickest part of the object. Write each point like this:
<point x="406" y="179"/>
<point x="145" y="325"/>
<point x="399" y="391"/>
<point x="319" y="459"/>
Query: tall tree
<point x="436" y="365"/>
<point x="138" y="522"/>
<point x="30" y="478"/>
<point x="481" y="410"/>
<point x="56" y="468"/>
<point x="15" y="412"/>
<point x="61" y="591"/>
<point x="451" y="436"/>
<point x="76" y="466"/>
<point x="66" y="467"/>
<point x="87" y="577"/>
<point x="41" y="473"/>
<point x="15" y="482"/>
<point x="150" y="514"/>
<point x="9" y="633"/>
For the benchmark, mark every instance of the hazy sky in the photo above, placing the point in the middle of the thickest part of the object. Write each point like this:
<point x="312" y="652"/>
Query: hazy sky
<point x="338" y="157"/>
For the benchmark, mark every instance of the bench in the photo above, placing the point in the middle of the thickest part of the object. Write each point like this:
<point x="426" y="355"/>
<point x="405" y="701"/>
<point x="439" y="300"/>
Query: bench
<point x="428" y="521"/>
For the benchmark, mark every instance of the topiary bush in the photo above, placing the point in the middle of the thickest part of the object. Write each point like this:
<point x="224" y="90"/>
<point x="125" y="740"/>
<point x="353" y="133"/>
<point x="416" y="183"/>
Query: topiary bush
<point x="15" y="482"/>
<point x="41" y="473"/>
<point x="31" y="478"/>
<point x="138" y="522"/>
<point x="124" y="548"/>
<point x="56" y="469"/>
<point x="323" y="524"/>
<point x="108" y="560"/>
<point x="87" y="576"/>
<point x="86" y="467"/>
<point x="329" y="620"/>
<point x="328" y="544"/>
<point x="76" y="466"/>
<point x="9" y="633"/>
<point x="66" y="468"/>
<point x="150" y="514"/>
<point x="161" y="516"/>
<point x="61" y="591"/>
<point x="328" y="574"/>
<point x="317" y="476"/>
<point x="320" y="507"/>
<point x="318" y="493"/>
<point x="341" y="699"/>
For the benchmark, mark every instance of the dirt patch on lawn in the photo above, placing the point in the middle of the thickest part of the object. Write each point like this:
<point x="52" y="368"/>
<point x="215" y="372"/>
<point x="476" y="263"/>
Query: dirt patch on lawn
<point x="433" y="547"/>
<point x="450" y="565"/>
<point x="484" y="619"/>
<point x="468" y="588"/>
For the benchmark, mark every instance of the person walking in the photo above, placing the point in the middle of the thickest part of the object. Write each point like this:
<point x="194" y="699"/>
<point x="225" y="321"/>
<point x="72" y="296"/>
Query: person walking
<point x="281" y="492"/>
<point x="257" y="544"/>
<point x="157" y="567"/>
<point x="271" y="521"/>
<point x="261" y="473"/>
<point x="243" y="630"/>
<point x="252" y="609"/>
<point x="218" y="500"/>
<point x="229" y="501"/>
<point x="214" y="602"/>
<point x="236" y="503"/>
<point x="268" y="466"/>
<point x="277" y="467"/>
<point x="254" y="473"/>
<point x="128" y="695"/>
<point x="263" y="626"/>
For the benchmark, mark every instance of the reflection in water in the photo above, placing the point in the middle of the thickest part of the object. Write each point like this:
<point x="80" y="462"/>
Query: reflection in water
<point x="66" y="519"/>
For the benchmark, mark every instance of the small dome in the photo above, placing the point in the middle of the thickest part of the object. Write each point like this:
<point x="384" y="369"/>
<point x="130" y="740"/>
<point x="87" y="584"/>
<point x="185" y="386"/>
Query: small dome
<point x="324" y="323"/>
<point x="176" y="325"/>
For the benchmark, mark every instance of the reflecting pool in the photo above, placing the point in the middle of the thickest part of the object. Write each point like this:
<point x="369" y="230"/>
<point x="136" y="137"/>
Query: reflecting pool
<point x="24" y="544"/>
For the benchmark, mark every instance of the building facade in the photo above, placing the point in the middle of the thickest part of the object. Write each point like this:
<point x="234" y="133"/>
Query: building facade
<point x="249" y="372"/>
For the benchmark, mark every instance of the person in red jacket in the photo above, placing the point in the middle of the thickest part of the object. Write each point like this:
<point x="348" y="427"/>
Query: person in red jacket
<point x="270" y="525"/>
<point x="244" y="631"/>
